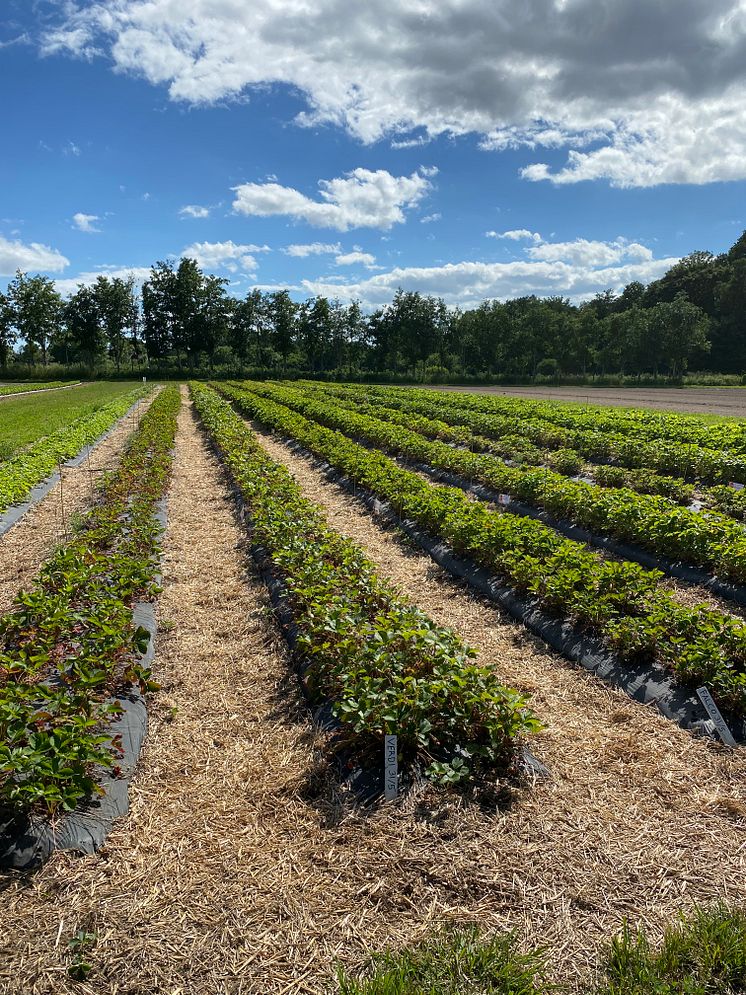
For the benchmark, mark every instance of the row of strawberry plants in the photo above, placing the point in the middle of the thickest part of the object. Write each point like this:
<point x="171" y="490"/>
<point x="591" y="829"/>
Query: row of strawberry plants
<point x="525" y="432"/>
<point x="69" y="642"/>
<point x="385" y="666"/>
<point x="651" y="522"/>
<point x="26" y="469"/>
<point x="464" y="428"/>
<point x="640" y="423"/>
<point x="24" y="388"/>
<point x="433" y="422"/>
<point x="625" y="604"/>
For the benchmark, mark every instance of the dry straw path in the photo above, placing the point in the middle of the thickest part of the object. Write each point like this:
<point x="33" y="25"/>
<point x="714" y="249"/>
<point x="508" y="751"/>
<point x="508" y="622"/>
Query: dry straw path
<point x="240" y="870"/>
<point x="29" y="543"/>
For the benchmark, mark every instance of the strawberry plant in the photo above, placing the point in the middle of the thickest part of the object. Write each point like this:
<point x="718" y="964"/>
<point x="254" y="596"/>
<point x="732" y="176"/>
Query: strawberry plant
<point x="69" y="642"/>
<point x="385" y="666"/>
<point x="623" y="603"/>
<point x="652" y="522"/>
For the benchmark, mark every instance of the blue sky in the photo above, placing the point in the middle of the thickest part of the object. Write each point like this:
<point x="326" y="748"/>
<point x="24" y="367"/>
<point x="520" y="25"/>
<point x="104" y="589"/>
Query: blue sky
<point x="349" y="148"/>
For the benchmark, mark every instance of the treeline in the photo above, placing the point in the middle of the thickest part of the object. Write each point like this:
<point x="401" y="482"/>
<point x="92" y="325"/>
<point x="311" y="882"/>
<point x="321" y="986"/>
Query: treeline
<point x="184" y="320"/>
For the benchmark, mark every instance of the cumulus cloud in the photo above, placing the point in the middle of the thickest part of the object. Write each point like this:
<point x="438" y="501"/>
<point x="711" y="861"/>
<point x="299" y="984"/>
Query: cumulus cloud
<point x="362" y="198"/>
<point x="429" y="218"/>
<point x="86" y="222"/>
<point x="225" y="256"/>
<point x="356" y="258"/>
<point x="70" y="284"/>
<point x="33" y="257"/>
<point x="515" y="235"/>
<point x="194" y="211"/>
<point x="640" y="93"/>
<point x="577" y="270"/>
<point x="582" y="252"/>
<point x="312" y="249"/>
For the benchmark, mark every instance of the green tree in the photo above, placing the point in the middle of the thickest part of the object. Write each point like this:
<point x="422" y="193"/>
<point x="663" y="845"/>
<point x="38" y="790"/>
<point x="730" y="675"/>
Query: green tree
<point x="282" y="317"/>
<point x="35" y="311"/>
<point x="158" y="294"/>
<point x="247" y="328"/>
<point x="83" y="324"/>
<point x="680" y="328"/>
<point x="116" y="303"/>
<point x="7" y="331"/>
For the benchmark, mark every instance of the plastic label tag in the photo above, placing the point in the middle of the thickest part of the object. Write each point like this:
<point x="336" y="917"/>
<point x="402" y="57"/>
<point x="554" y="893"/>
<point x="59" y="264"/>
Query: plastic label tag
<point x="390" y="768"/>
<point x="503" y="499"/>
<point x="718" y="721"/>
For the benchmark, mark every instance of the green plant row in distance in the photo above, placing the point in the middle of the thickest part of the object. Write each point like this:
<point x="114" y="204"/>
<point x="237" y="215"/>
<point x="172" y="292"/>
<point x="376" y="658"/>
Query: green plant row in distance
<point x="657" y="524"/>
<point x="26" y="469"/>
<point x="436" y="422"/>
<point x="592" y="440"/>
<point x="27" y="418"/>
<point x="620" y="601"/>
<point x="385" y="666"/>
<point x="23" y="388"/>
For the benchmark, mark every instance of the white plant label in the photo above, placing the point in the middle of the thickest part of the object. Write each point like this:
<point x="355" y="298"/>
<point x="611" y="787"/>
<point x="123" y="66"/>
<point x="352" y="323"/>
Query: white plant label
<point x="390" y="768"/>
<point x="714" y="712"/>
<point x="736" y="486"/>
<point x="503" y="499"/>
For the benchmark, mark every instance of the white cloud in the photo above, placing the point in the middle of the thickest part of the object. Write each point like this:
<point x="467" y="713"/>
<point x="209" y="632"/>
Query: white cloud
<point x="362" y="198"/>
<point x="225" y="256"/>
<point x="430" y="218"/>
<point x="312" y="249"/>
<point x="71" y="149"/>
<point x="639" y="92"/>
<point x="356" y="258"/>
<point x="194" y="211"/>
<point x="33" y="257"/>
<point x="515" y="235"/>
<point x="70" y="284"/>
<point x="582" y="252"/>
<point x="85" y="222"/>
<point x="577" y="270"/>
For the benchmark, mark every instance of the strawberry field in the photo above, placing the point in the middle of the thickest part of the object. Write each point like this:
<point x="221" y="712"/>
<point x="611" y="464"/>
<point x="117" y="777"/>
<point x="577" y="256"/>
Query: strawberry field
<point x="273" y="590"/>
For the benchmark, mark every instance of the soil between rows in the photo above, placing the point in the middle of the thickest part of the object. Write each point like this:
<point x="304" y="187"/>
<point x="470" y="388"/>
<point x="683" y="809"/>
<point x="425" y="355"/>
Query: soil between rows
<point x="229" y="876"/>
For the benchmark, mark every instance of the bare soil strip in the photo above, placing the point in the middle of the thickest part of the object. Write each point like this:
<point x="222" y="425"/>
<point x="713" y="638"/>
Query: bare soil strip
<point x="30" y="542"/>
<point x="242" y="870"/>
<point x="695" y="400"/>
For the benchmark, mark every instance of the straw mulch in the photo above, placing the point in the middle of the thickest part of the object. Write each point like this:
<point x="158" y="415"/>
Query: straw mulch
<point x="242" y="870"/>
<point x="30" y="542"/>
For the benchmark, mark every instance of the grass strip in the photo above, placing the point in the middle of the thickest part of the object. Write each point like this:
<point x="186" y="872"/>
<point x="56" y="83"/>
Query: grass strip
<point x="622" y="602"/>
<point x="385" y="666"/>
<point x="69" y="642"/>
<point x="704" y="953"/>
<point x="23" y="471"/>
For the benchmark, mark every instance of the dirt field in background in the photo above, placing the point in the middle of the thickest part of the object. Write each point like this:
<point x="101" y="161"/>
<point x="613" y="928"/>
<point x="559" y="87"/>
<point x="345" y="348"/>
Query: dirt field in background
<point x="695" y="400"/>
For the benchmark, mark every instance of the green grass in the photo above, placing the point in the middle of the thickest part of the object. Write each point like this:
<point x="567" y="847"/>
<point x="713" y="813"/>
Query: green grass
<point x="25" y="419"/>
<point x="703" y="954"/>
<point x="457" y="962"/>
